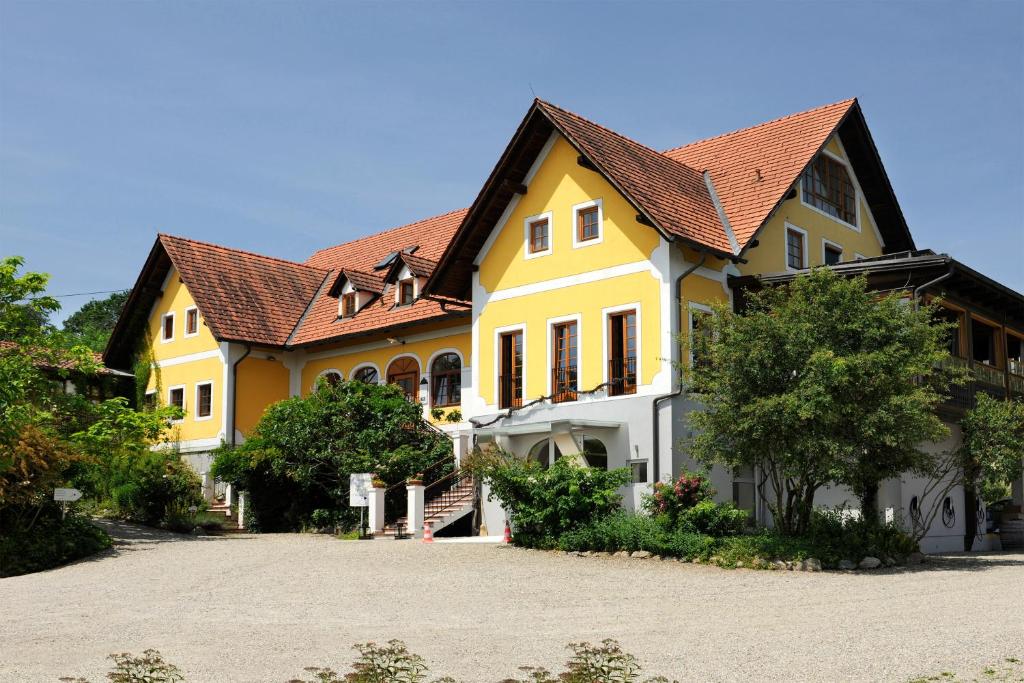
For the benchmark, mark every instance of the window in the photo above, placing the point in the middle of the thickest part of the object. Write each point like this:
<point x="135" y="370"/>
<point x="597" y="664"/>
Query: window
<point x="330" y="378"/>
<point x="539" y="237"/>
<point x="176" y="397"/>
<point x="510" y="380"/>
<point x="564" y="362"/>
<point x="743" y="490"/>
<point x="168" y="328"/>
<point x="446" y="380"/>
<point x="348" y="305"/>
<point x="149" y="401"/>
<point x="366" y="374"/>
<point x="204" y="400"/>
<point x="191" y="321"/>
<point x="405" y="293"/>
<point x="588" y="224"/>
<point x="622" y="353"/>
<point x="954" y="318"/>
<point x="795" y="257"/>
<point x="698" y="335"/>
<point x="638" y="468"/>
<point x="595" y="453"/>
<point x="833" y="254"/>
<point x="541" y="452"/>
<point x="405" y="373"/>
<point x="828" y="188"/>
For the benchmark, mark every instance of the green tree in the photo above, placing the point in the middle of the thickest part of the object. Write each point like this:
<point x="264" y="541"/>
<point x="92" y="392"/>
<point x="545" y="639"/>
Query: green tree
<point x="92" y="324"/>
<point x="299" y="457"/>
<point x="24" y="306"/>
<point x="818" y="382"/>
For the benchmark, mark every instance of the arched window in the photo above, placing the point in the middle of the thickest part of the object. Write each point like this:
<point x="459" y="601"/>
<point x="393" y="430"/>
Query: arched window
<point x="366" y="374"/>
<point x="446" y="380"/>
<point x="541" y="452"/>
<point x="330" y="378"/>
<point x="405" y="372"/>
<point x="595" y="452"/>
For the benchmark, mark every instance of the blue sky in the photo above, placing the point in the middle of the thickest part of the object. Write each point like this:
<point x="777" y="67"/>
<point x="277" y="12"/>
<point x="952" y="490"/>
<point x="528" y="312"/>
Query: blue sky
<point x="285" y="127"/>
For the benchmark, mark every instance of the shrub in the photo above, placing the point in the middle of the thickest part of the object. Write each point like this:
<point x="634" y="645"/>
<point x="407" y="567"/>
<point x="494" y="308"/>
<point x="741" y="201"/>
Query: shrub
<point x="50" y="542"/>
<point x="837" y="535"/>
<point x="714" y="519"/>
<point x="671" y="499"/>
<point x="160" y="491"/>
<point x="546" y="503"/>
<point x="630" y="532"/>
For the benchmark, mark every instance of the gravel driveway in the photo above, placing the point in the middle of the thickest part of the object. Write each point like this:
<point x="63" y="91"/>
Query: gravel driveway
<point x="260" y="608"/>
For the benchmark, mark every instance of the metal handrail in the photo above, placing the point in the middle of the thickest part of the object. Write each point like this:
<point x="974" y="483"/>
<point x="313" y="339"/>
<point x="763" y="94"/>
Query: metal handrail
<point x="622" y="376"/>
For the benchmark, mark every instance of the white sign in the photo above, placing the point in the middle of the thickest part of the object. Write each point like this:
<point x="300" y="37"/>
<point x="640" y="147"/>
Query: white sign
<point x="66" y="495"/>
<point x="359" y="486"/>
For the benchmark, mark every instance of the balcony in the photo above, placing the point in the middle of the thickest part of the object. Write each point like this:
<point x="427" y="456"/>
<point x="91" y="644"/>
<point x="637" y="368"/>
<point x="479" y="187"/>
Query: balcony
<point x="564" y="384"/>
<point x="622" y="376"/>
<point x="993" y="381"/>
<point x="510" y="391"/>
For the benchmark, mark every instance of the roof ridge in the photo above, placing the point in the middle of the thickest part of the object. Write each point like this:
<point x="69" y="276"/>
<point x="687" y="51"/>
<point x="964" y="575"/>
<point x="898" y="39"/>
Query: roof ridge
<point x="385" y="232"/>
<point x="850" y="100"/>
<point x="237" y="251"/>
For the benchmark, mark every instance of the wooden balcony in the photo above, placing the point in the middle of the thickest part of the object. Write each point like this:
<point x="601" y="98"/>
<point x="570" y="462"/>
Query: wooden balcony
<point x="996" y="382"/>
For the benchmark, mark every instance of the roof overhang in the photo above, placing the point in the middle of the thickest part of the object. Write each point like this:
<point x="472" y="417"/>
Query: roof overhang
<point x="548" y="427"/>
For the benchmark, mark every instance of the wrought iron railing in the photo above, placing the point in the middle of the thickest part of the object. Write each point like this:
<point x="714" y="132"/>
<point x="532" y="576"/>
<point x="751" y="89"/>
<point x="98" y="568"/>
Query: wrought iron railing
<point x="622" y="376"/>
<point x="396" y="496"/>
<point x="510" y="391"/>
<point x="564" y="384"/>
<point x="444" y="493"/>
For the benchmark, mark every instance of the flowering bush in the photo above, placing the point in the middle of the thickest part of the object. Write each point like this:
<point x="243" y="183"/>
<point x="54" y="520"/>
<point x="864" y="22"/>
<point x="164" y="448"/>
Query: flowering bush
<point x="671" y="499"/>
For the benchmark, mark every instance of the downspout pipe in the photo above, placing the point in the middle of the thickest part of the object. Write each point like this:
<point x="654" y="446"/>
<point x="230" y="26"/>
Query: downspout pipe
<point x="931" y="283"/>
<point x="234" y="390"/>
<point x="656" y="404"/>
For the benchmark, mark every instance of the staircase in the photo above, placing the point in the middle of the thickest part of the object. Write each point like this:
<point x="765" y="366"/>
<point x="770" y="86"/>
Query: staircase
<point x="230" y="522"/>
<point x="445" y="504"/>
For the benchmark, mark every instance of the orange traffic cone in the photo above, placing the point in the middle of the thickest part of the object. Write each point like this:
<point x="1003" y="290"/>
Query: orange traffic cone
<point x="508" y="533"/>
<point x="428" y="535"/>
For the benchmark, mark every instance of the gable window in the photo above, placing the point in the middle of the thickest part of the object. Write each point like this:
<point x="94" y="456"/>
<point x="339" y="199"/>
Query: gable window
<point x="564" y="362"/>
<point x="191" y="321"/>
<point x="827" y="187"/>
<point x="406" y="293"/>
<point x="796" y="257"/>
<point x="204" y="400"/>
<point x="622" y="353"/>
<point x="832" y="253"/>
<point x="510" y="379"/>
<point x="587" y="220"/>
<point x="539" y="237"/>
<point x="348" y="305"/>
<point x="167" y="329"/>
<point x="446" y="380"/>
<point x="176" y="397"/>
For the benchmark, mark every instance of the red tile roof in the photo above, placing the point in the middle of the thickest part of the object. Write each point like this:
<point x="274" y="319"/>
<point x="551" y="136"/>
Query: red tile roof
<point x="673" y="194"/>
<point x="244" y="296"/>
<point x="753" y="168"/>
<point x="430" y="236"/>
<point x="59" y="359"/>
<point x="367" y="282"/>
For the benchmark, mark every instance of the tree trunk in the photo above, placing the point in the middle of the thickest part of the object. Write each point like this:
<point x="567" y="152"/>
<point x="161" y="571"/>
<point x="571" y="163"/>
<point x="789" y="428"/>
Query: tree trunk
<point x="869" y="502"/>
<point x="970" y="515"/>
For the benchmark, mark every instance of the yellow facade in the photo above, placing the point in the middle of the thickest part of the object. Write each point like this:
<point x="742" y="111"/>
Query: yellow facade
<point x="770" y="254"/>
<point x="558" y="185"/>
<point x="259" y="383"/>
<point x="176" y="299"/>
<point x="187" y="376"/>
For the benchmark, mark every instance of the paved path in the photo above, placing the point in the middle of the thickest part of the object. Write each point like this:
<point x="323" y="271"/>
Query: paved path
<point x="260" y="608"/>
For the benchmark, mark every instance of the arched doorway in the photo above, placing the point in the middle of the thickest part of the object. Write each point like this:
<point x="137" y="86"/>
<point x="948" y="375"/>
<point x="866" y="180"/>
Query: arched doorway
<point x="405" y="372"/>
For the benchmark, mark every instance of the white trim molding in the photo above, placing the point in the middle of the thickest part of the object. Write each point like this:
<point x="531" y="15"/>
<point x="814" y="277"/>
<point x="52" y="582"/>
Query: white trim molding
<point x="185" y="332"/>
<point x="721" y="213"/>
<point x="360" y="366"/>
<point x="550" y="324"/>
<point x="428" y="373"/>
<point x="324" y="373"/>
<point x="528" y="237"/>
<point x="184" y="400"/>
<point x="164" y="339"/>
<point x="857" y="194"/>
<point x="188" y="358"/>
<point x="825" y="244"/>
<point x="606" y="313"/>
<point x="785" y="247"/>
<point x="576" y="209"/>
<point x="196" y="417"/>
<point x="570" y="280"/>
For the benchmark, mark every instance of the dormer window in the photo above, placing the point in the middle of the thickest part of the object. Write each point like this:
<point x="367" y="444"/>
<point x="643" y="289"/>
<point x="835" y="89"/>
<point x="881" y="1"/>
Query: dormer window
<point x="406" y="292"/>
<point x="348" y="305"/>
<point x="827" y="187"/>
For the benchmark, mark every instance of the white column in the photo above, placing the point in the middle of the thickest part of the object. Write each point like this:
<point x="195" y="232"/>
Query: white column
<point x="241" y="509"/>
<point x="375" y="512"/>
<point x="208" y="487"/>
<point x="414" y="514"/>
<point x="228" y="493"/>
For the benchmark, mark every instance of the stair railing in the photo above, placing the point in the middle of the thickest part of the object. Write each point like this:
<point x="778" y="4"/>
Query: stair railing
<point x="445" y="492"/>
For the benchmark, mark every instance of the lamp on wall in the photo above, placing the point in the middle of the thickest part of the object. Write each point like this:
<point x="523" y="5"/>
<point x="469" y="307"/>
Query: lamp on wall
<point x="395" y="340"/>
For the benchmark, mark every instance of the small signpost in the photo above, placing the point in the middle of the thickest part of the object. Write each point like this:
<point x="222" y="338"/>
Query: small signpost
<point x="65" y="496"/>
<point x="359" y="486"/>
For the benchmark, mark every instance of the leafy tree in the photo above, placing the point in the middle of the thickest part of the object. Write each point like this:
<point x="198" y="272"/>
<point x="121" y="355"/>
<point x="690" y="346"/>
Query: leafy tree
<point x="92" y="324"/>
<point x="299" y="457"/>
<point x="819" y="382"/>
<point x="24" y="306"/>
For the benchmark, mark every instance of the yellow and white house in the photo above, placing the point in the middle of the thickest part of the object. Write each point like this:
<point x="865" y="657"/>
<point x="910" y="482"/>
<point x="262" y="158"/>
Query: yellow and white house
<point x="548" y="313"/>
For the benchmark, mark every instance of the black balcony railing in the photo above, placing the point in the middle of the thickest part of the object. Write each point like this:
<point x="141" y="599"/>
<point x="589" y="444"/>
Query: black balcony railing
<point x="510" y="391"/>
<point x="622" y="376"/>
<point x="564" y="384"/>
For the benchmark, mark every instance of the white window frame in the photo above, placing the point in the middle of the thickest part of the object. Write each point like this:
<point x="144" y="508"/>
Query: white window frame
<point x="599" y="203"/>
<point x="549" y="217"/>
<point x="857" y="194"/>
<point x="324" y="373"/>
<point x="185" y="332"/>
<point x="785" y="247"/>
<point x="352" y="375"/>
<point x="690" y="308"/>
<point x="551" y="322"/>
<point x="184" y="400"/>
<point x="606" y="314"/>
<point x="196" y="417"/>
<point x="163" y="327"/>
<point x="429" y="374"/>
<point x="498" y="331"/>
<point x="825" y="244"/>
<point x="857" y="256"/>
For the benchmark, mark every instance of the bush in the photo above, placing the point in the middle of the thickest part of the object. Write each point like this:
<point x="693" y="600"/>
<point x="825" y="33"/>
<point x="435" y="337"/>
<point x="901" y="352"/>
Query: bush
<point x="671" y="499"/>
<point x="837" y="535"/>
<point x="546" y="503"/>
<point x="714" y="519"/>
<point x="631" y="532"/>
<point x="160" y="492"/>
<point x="49" y="542"/>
